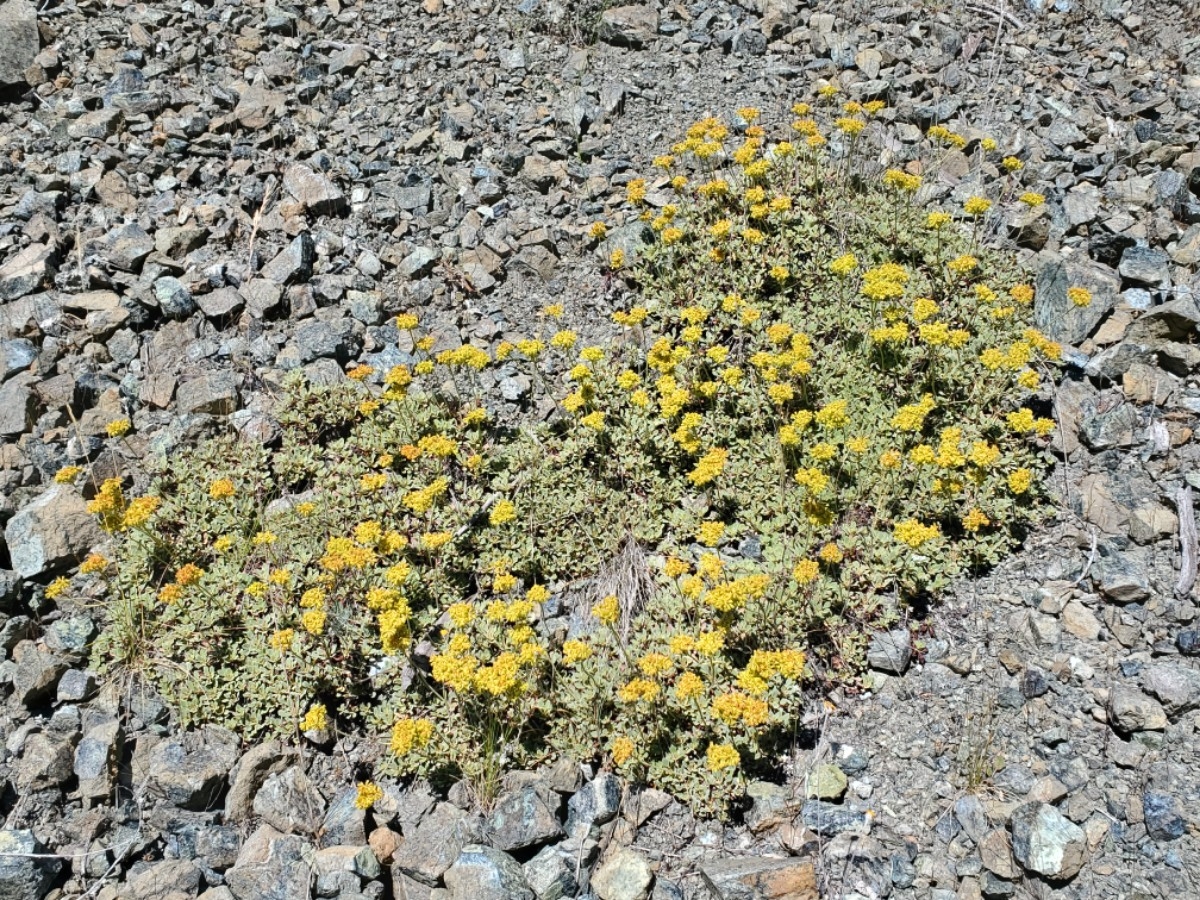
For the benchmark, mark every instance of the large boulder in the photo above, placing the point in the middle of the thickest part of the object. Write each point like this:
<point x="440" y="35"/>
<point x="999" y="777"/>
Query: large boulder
<point x="52" y="533"/>
<point x="19" y="39"/>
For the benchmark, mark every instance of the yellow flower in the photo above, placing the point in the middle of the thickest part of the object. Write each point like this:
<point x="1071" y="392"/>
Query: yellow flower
<point x="223" y="543"/>
<point x="313" y="621"/>
<point x="688" y="686"/>
<point x="1012" y="164"/>
<point x="674" y="567"/>
<point x="977" y="206"/>
<point x="1021" y="421"/>
<point x="961" y="265"/>
<point x="722" y="756"/>
<point x="709" y="467"/>
<point x="94" y="563"/>
<point x="709" y="533"/>
<point x="436" y="540"/>
<point x="890" y="459"/>
<point x="655" y="664"/>
<point x="710" y="643"/>
<point x="67" y="474"/>
<point x="607" y="610"/>
<point x="806" y="571"/>
<point x="616" y="260"/>
<point x="368" y="794"/>
<point x="831" y="554"/>
<point x="1020" y="480"/>
<point x="622" y="750"/>
<point x="902" y="181"/>
<point x="316" y="719"/>
<point x="264" y="539"/>
<point x="1079" y="296"/>
<point x="221" y="489"/>
<point x="638" y="690"/>
<point x="409" y="735"/>
<point x="593" y="420"/>
<point x="575" y="651"/>
<point x="173" y="593"/>
<point x="55" y="588"/>
<point x="118" y="428"/>
<point x="502" y="512"/>
<point x="914" y="534"/>
<point x="1030" y="198"/>
<point x="912" y="416"/>
<point x="923" y="308"/>
<point x="635" y="190"/>
<point x="974" y="520"/>
<point x="282" y="640"/>
<point x="936" y="220"/>
<point x="188" y="574"/>
<point x="1022" y="293"/>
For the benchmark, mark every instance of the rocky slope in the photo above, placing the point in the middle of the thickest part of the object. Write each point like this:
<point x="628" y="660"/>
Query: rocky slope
<point x="196" y="198"/>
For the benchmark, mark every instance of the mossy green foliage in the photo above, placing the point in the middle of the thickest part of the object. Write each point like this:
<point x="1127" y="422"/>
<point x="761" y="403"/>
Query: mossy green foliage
<point x="812" y="413"/>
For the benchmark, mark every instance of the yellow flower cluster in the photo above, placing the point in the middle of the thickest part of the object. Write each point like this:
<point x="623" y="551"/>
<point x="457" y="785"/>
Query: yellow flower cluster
<point x="914" y="534"/>
<point x="409" y="735"/>
<point x="709" y="467"/>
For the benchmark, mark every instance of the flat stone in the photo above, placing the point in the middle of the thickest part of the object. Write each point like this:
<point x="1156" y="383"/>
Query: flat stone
<point x="1060" y="319"/>
<point x="24" y="873"/>
<point x="28" y="271"/>
<point x="19" y="40"/>
<point x="96" y="759"/>
<point x="890" y="651"/>
<point x="596" y="803"/>
<point x="50" y="533"/>
<point x="1176" y="687"/>
<point x="271" y="866"/>
<point x="248" y="775"/>
<point x="625" y="875"/>
<point x="629" y="26"/>
<point x="996" y="855"/>
<point x="761" y="878"/>
<point x="1045" y="842"/>
<point x="1145" y="265"/>
<point x="294" y="263"/>
<point x="191" y="770"/>
<point x="19" y="405"/>
<point x="215" y="394"/>
<point x="1120" y="579"/>
<point x="316" y="192"/>
<point x="484" y="873"/>
<point x="525" y="818"/>
<point x="1130" y="710"/>
<point x="829" y="819"/>
<point x="429" y="850"/>
<point x="1078" y="620"/>
<point x="290" y="802"/>
<point x="37" y="673"/>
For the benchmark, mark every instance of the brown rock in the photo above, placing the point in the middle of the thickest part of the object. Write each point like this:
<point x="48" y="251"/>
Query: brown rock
<point x="762" y="877"/>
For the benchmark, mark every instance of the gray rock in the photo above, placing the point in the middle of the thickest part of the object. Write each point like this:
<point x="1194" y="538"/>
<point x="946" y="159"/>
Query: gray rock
<point x="124" y="247"/>
<point x="1120" y="579"/>
<point x="216" y="394"/>
<point x="625" y="875"/>
<point x="1174" y="321"/>
<point x="19" y="406"/>
<point x="419" y="262"/>
<point x="50" y="533"/>
<point x="1114" y="428"/>
<point x="23" y="874"/>
<point x="26" y="272"/>
<point x="16" y="355"/>
<point x="760" y="876"/>
<point x="969" y="812"/>
<point x="1164" y="816"/>
<point x="596" y="803"/>
<point x="290" y="802"/>
<point x="1131" y="710"/>
<point x="45" y="762"/>
<point x="191" y="770"/>
<point x="1176" y="687"/>
<point x="829" y="819"/>
<point x="433" y="847"/>
<point x="826" y="782"/>
<point x="220" y="303"/>
<point x="1045" y="842"/>
<point x="249" y="774"/>
<point x="294" y="263"/>
<point x="629" y="26"/>
<point x="316" y="192"/>
<point x="1056" y="316"/>
<point x="1146" y="265"/>
<point x="271" y="866"/>
<point x="890" y="651"/>
<point x="96" y="759"/>
<point x="344" y="823"/>
<point x="168" y="878"/>
<point x="356" y="860"/>
<point x="19" y="40"/>
<point x="262" y="297"/>
<point x="484" y="873"/>
<point x="525" y="818"/>
<point x="174" y="298"/>
<point x="76" y="686"/>
<point x="551" y="875"/>
<point x="37" y="673"/>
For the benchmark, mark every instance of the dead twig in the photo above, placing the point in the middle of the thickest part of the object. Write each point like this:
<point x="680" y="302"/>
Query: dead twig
<point x="1188" y="544"/>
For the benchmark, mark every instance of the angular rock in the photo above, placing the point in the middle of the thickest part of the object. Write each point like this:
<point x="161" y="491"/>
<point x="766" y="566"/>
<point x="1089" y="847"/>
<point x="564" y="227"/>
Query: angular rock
<point x="19" y="40"/>
<point x="215" y="394"/>
<point x="174" y="298"/>
<point x="354" y="859"/>
<point x="625" y="875"/>
<point x="890" y="651"/>
<point x="344" y="823"/>
<point x="761" y="878"/>
<point x="191" y="770"/>
<point x="28" y="271"/>
<point x="1130" y="710"/>
<point x="1045" y="842"/>
<point x="290" y="802"/>
<point x="19" y="405"/>
<point x="1176" y="687"/>
<point x="251" y="771"/>
<point x="169" y="878"/>
<point x="96" y="758"/>
<point x="1060" y="319"/>
<point x="1164" y="816"/>
<point x="829" y="819"/>
<point x="294" y="263"/>
<point x="51" y="533"/>
<point x="995" y="853"/>
<point x="629" y="26"/>
<point x="596" y="803"/>
<point x="826" y="782"/>
<point x="1145" y="265"/>
<point x="551" y="875"/>
<point x="1120" y="579"/>
<point x="271" y="866"/>
<point x="484" y="873"/>
<point x="433" y="847"/>
<point x="314" y="191"/>
<point x="37" y="673"/>
<point x="24" y="873"/>
<point x="525" y="818"/>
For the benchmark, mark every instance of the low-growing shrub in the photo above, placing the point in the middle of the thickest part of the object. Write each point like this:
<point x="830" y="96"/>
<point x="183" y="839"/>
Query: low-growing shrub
<point x="813" y="412"/>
